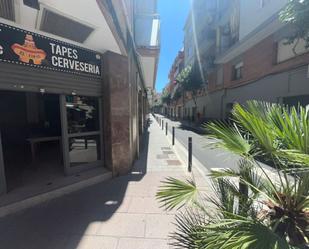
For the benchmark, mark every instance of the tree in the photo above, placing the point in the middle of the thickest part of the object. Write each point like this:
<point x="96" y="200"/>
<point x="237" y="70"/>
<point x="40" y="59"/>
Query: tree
<point x="191" y="80"/>
<point x="166" y="97"/>
<point x="261" y="211"/>
<point x="296" y="13"/>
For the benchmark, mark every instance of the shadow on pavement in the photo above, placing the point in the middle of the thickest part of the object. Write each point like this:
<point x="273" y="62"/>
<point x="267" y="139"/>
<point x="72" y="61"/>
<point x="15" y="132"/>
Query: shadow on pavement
<point x="73" y="216"/>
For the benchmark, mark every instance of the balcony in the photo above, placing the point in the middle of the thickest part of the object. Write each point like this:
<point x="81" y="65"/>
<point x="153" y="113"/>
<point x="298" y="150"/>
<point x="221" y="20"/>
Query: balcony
<point x="147" y="33"/>
<point x="147" y="38"/>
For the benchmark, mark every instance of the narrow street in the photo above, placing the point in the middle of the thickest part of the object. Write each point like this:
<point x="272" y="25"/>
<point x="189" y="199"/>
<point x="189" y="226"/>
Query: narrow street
<point x="102" y="109"/>
<point x="210" y="158"/>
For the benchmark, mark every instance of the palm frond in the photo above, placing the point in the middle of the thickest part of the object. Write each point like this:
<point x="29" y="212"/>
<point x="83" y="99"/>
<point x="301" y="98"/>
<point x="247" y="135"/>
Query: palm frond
<point x="293" y="158"/>
<point x="175" y="193"/>
<point x="253" y="119"/>
<point x="225" y="193"/>
<point x="243" y="234"/>
<point x="190" y="226"/>
<point x="228" y="137"/>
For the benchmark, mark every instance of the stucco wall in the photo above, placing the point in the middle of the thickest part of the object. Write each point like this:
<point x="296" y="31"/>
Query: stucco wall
<point x="211" y="102"/>
<point x="272" y="88"/>
<point x="252" y="14"/>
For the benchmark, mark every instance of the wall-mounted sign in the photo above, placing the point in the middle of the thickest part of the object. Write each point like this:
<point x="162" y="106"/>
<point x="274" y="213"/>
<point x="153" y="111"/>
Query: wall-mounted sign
<point x="27" y="48"/>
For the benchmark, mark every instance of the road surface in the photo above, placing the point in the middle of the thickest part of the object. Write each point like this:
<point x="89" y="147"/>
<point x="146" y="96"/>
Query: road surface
<point x="209" y="158"/>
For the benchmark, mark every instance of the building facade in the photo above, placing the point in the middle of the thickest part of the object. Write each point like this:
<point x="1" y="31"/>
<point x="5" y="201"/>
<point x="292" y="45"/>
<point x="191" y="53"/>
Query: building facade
<point x="251" y="59"/>
<point x="74" y="83"/>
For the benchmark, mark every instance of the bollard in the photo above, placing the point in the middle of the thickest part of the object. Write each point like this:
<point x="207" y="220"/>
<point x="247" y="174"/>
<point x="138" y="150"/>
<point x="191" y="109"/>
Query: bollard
<point x="190" y="154"/>
<point x="166" y="128"/>
<point x="173" y="136"/>
<point x="162" y="125"/>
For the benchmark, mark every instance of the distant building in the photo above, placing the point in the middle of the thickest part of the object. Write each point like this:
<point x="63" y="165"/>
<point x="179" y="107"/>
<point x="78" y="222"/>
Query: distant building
<point x="247" y="58"/>
<point x="189" y="47"/>
<point x="172" y="86"/>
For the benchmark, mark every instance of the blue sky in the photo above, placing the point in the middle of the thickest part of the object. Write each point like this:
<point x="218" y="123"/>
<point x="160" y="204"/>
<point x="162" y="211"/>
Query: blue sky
<point x="173" y="15"/>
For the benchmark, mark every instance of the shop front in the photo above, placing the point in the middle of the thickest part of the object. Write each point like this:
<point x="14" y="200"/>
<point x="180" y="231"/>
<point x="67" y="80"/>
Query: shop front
<point x="50" y="109"/>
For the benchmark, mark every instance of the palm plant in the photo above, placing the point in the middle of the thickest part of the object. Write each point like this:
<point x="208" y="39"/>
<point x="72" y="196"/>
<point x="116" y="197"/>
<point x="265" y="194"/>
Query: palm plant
<point x="278" y="133"/>
<point x="247" y="208"/>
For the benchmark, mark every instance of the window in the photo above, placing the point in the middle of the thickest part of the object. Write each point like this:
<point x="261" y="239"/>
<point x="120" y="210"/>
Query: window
<point x="82" y="114"/>
<point x="237" y="71"/>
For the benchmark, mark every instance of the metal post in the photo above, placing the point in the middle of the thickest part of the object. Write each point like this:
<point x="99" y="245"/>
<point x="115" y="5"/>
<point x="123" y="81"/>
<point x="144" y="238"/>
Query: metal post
<point x="166" y="127"/>
<point x="173" y="137"/>
<point x="190" y="154"/>
<point x="162" y="125"/>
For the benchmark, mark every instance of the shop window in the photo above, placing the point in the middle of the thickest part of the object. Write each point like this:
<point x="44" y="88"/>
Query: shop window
<point x="84" y="150"/>
<point x="84" y="131"/>
<point x="82" y="114"/>
<point x="237" y="71"/>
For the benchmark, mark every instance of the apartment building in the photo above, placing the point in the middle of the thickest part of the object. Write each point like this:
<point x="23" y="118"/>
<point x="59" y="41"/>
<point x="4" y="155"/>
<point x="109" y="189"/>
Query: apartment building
<point x="252" y="59"/>
<point x="189" y="42"/>
<point x="175" y="110"/>
<point x="74" y="78"/>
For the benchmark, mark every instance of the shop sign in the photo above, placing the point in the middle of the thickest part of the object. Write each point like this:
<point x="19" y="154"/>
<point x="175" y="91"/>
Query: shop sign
<point x="19" y="46"/>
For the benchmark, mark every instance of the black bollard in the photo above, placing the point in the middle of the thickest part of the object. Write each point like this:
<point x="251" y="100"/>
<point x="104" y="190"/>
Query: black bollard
<point x="190" y="154"/>
<point x="173" y="136"/>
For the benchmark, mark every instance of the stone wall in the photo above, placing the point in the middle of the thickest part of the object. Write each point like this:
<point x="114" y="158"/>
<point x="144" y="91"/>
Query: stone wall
<point x="120" y="106"/>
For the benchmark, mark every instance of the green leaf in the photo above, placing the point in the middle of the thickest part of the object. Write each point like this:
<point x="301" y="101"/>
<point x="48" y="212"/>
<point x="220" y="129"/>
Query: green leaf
<point x="228" y="137"/>
<point x="175" y="193"/>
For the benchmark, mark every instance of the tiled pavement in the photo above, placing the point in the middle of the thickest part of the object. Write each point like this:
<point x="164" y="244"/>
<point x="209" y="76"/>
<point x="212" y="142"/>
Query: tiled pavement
<point x="118" y="214"/>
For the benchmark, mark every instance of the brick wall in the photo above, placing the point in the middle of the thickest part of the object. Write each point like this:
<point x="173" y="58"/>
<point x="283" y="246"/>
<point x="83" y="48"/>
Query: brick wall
<point x="259" y="61"/>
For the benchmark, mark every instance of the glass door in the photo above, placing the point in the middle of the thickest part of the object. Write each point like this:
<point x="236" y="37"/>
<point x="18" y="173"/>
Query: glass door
<point x="81" y="132"/>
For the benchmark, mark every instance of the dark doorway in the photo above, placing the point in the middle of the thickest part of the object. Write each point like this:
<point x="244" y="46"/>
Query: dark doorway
<point x="302" y="100"/>
<point x="31" y="137"/>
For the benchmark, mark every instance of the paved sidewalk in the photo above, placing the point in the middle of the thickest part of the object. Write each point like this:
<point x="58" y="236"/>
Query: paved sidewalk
<point x="118" y="214"/>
